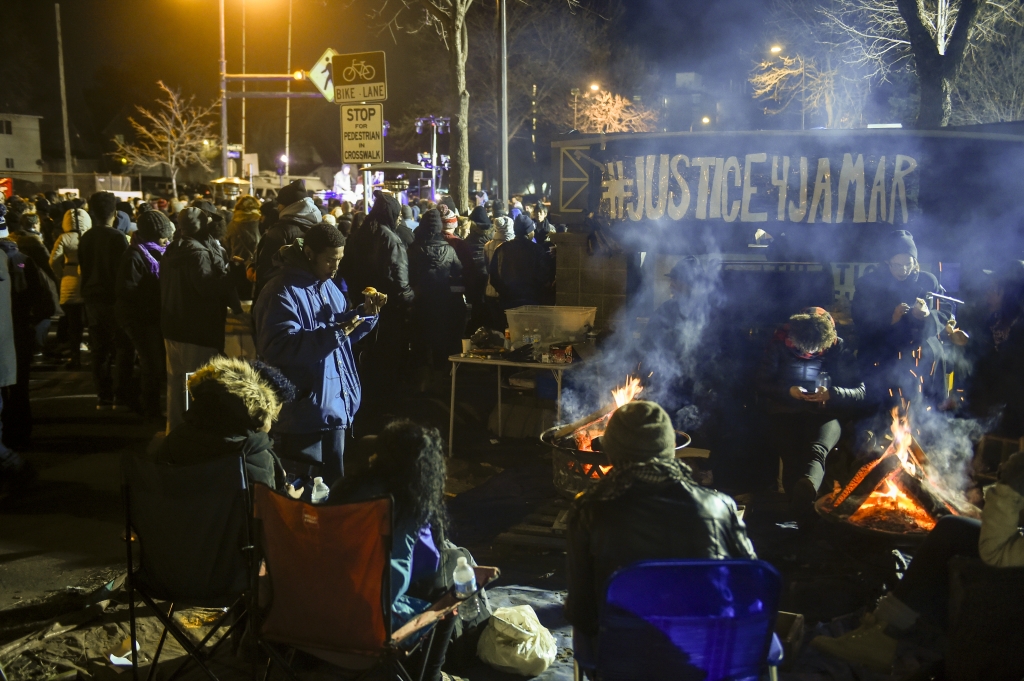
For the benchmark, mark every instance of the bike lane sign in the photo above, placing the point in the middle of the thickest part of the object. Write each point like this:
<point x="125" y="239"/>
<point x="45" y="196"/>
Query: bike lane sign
<point x="359" y="77"/>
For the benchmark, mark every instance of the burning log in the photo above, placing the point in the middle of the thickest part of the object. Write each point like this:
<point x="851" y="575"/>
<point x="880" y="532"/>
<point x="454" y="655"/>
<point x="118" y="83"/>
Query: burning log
<point x="863" y="484"/>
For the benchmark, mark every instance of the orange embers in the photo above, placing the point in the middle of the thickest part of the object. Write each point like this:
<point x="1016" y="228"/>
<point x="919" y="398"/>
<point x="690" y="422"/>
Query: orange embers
<point x="889" y="507"/>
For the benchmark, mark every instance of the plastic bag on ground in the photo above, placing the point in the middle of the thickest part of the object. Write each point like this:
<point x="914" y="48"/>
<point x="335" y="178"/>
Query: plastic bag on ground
<point x="515" y="641"/>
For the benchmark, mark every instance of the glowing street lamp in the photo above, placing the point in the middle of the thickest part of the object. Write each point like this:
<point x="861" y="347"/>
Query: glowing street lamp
<point x="594" y="87"/>
<point x="776" y="49"/>
<point x="706" y="120"/>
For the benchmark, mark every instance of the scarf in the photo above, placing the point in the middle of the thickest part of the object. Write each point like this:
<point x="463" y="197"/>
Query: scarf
<point x="625" y="475"/>
<point x="147" y="249"/>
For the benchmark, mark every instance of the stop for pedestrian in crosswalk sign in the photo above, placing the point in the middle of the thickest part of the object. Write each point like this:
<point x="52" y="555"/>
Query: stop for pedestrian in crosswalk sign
<point x="362" y="133"/>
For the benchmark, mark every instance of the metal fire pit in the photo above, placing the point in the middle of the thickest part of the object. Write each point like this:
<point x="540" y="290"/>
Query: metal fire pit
<point x="574" y="470"/>
<point x="910" y="538"/>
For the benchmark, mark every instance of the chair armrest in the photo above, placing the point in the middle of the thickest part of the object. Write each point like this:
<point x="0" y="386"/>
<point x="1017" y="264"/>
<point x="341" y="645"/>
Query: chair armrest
<point x="443" y="606"/>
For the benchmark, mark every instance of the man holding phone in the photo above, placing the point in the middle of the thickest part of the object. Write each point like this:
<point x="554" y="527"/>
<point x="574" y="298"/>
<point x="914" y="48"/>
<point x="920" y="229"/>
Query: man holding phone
<point x="304" y="328"/>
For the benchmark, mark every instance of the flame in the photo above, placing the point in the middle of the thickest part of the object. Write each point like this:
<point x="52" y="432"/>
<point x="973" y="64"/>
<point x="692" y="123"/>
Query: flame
<point x="892" y="501"/>
<point x="628" y="392"/>
<point x="901" y="441"/>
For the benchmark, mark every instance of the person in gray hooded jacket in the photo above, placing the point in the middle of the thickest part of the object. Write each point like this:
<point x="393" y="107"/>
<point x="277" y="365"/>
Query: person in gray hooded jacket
<point x="297" y="214"/>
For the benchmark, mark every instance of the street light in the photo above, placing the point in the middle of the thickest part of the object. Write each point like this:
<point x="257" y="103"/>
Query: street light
<point x="777" y="50"/>
<point x="706" y="120"/>
<point x="594" y="87"/>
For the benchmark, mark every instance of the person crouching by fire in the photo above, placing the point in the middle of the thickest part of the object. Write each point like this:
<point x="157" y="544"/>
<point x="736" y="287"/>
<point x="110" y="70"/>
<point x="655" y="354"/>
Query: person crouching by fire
<point x="647" y="507"/>
<point x="806" y="378"/>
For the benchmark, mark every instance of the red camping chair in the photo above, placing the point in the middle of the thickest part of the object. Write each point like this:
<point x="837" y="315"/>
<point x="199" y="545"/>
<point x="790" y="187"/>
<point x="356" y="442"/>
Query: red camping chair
<point x="329" y="586"/>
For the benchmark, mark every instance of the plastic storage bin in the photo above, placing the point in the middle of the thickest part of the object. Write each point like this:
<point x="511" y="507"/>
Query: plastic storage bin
<point x="555" y="322"/>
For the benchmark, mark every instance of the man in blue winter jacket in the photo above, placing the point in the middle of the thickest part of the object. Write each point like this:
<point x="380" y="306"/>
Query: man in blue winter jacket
<point x="303" y="327"/>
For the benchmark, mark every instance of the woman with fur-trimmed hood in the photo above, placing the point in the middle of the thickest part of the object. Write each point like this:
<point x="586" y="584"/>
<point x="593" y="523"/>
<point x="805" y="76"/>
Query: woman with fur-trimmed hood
<point x="807" y="376"/>
<point x="232" y="405"/>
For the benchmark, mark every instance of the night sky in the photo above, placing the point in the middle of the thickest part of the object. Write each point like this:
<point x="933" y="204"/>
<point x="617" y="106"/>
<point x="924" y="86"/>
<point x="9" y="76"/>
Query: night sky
<point x="115" y="50"/>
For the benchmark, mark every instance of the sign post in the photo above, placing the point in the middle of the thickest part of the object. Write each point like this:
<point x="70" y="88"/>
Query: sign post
<point x="478" y="178"/>
<point x="362" y="133"/>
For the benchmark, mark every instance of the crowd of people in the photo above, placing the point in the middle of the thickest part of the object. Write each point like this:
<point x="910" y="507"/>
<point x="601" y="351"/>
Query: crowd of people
<point x="345" y="303"/>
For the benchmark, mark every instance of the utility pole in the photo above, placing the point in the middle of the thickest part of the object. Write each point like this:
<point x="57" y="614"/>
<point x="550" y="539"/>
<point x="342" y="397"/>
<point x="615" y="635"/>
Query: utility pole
<point x="223" y="98"/>
<point x="288" y="102"/>
<point x="241" y="157"/>
<point x="504" y="105"/>
<point x="68" y="169"/>
<point x="575" y="92"/>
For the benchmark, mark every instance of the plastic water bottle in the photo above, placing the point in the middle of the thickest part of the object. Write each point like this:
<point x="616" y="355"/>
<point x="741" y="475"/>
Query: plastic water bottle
<point x="320" y="491"/>
<point x="465" y="586"/>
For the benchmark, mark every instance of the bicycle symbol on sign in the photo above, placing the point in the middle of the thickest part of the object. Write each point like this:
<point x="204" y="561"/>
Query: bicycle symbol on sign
<point x="359" y="69"/>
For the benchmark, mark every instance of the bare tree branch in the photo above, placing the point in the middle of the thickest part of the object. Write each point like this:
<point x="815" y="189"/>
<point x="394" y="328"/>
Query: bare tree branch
<point x="177" y="135"/>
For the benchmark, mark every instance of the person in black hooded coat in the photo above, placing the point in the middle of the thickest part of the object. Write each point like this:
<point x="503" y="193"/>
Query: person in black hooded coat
<point x="894" y="321"/>
<point x="480" y="232"/>
<point x="439" y="310"/>
<point x="376" y="257"/>
<point x="296" y="214"/>
<point x="519" y="270"/>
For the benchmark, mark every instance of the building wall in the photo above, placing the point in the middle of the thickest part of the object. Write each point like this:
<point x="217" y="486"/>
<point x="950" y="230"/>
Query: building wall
<point x="588" y="280"/>
<point x="21" y="148"/>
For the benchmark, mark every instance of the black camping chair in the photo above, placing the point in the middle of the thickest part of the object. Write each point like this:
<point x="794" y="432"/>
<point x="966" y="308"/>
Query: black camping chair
<point x="192" y="527"/>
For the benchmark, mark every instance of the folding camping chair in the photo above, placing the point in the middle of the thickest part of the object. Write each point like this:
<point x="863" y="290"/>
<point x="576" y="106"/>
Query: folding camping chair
<point x="687" y="619"/>
<point x="192" y="527"/>
<point x="330" y="585"/>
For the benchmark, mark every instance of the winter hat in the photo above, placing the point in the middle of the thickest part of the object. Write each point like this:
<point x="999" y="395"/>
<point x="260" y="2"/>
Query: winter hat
<point x="430" y="225"/>
<point x="479" y="216"/>
<point x="686" y="270"/>
<point x="523" y="225"/>
<point x="77" y="220"/>
<point x="449" y="218"/>
<point x="192" y="219"/>
<point x="503" y="228"/>
<point x="639" y="431"/>
<point x="292" y="192"/>
<point x="899" y="241"/>
<point x="447" y="200"/>
<point x="406" y="213"/>
<point x="155" y="225"/>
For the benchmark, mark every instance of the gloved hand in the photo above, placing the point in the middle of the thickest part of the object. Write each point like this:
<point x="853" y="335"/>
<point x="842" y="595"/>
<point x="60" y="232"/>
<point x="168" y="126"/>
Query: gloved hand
<point x="1011" y="473"/>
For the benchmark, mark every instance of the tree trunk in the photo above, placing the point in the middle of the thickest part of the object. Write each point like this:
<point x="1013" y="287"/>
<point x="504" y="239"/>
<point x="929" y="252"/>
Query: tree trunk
<point x="174" y="182"/>
<point x="936" y="72"/>
<point x="935" y="107"/>
<point x="459" y="144"/>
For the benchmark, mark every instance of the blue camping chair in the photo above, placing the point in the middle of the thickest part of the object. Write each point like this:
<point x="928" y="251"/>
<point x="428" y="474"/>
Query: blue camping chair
<point x="686" y="619"/>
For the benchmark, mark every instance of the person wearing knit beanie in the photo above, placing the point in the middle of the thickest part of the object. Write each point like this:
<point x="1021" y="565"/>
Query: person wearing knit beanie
<point x="639" y="431"/>
<point x="479" y="217"/>
<point x="520" y="271"/>
<point x="898" y="330"/>
<point x="448" y="201"/>
<point x="449" y="219"/>
<point x="292" y="192"/>
<point x="646" y="507"/>
<point x="523" y="226"/>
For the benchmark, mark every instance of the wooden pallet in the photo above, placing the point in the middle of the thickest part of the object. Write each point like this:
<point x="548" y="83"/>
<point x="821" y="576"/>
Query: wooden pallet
<point x="544" y="529"/>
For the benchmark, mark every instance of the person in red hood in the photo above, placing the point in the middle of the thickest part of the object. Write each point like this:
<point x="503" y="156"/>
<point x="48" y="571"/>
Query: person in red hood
<point x="806" y="380"/>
